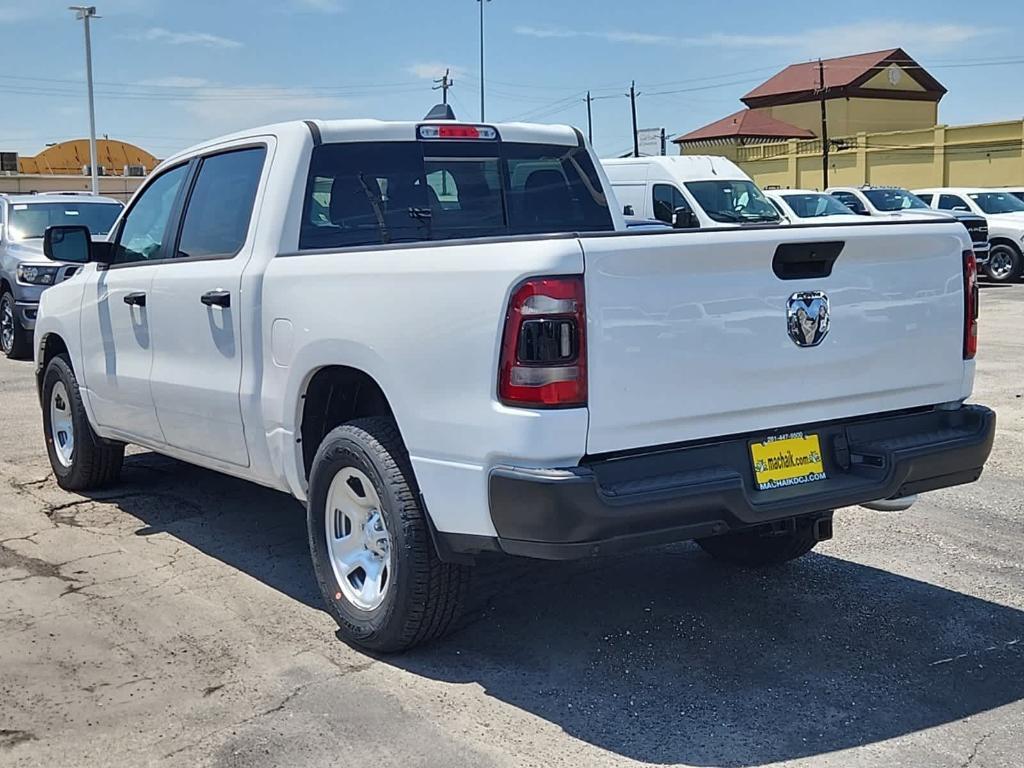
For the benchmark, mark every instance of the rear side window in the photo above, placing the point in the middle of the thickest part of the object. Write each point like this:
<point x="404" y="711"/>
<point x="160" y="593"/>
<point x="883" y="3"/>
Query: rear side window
<point x="392" y="192"/>
<point x="850" y="201"/>
<point x="951" y="202"/>
<point x="220" y="206"/>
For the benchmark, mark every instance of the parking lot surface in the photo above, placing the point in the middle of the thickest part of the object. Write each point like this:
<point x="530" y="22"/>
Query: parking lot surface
<point x="174" y="620"/>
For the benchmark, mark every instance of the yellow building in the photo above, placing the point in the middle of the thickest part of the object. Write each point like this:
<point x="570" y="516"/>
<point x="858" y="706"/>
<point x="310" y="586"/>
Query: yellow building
<point x="882" y="116"/>
<point x="64" y="167"/>
<point x="70" y="157"/>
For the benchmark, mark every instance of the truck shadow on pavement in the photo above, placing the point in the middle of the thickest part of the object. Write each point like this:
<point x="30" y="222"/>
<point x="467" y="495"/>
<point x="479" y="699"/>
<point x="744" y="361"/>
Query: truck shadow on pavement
<point x="662" y="656"/>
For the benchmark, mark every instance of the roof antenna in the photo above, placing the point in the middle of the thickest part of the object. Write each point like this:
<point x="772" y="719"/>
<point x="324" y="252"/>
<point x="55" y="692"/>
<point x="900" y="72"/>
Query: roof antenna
<point x="441" y="112"/>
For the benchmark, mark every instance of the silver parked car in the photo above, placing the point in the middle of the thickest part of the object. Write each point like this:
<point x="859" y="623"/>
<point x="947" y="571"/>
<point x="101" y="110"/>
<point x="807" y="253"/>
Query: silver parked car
<point x="25" y="272"/>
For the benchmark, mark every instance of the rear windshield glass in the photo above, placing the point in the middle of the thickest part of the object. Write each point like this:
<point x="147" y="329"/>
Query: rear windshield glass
<point x="29" y="220"/>
<point x="812" y="206"/>
<point x="893" y="199"/>
<point x="394" y="192"/>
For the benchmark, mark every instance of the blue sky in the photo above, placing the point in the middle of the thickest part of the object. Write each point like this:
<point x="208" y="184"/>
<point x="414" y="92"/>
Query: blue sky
<point x="173" y="72"/>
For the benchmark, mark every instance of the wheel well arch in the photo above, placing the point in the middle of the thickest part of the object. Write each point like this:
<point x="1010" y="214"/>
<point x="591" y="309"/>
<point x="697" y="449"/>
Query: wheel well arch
<point x="1007" y="241"/>
<point x="333" y="395"/>
<point x="52" y="344"/>
<point x="5" y="285"/>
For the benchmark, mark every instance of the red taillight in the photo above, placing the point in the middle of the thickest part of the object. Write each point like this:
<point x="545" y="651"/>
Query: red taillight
<point x="970" y="306"/>
<point x="455" y="131"/>
<point x="544" y="350"/>
<point x="458" y="132"/>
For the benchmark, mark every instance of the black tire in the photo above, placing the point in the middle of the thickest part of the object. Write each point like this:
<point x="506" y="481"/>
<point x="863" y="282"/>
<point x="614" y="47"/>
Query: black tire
<point x="95" y="463"/>
<point x="425" y="597"/>
<point x="1003" y="254"/>
<point x="753" y="549"/>
<point x="15" y="341"/>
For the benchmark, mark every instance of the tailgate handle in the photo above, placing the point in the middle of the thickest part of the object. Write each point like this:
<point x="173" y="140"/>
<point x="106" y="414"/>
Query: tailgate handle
<point x="801" y="261"/>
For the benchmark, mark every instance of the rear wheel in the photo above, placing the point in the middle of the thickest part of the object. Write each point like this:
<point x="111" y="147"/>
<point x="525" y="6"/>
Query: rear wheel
<point x="758" y="549"/>
<point x="370" y="543"/>
<point x="15" y="341"/>
<point x="80" y="460"/>
<point x="1004" y="263"/>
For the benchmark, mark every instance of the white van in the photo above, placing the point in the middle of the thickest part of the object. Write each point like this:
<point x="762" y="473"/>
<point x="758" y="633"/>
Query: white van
<point x="689" y="191"/>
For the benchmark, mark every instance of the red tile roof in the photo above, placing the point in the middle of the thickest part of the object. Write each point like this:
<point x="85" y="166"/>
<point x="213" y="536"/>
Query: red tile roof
<point x="799" y="81"/>
<point x="747" y="124"/>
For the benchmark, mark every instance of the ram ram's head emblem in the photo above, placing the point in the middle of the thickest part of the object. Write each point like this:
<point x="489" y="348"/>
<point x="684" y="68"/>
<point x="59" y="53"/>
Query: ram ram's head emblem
<point x="807" y="317"/>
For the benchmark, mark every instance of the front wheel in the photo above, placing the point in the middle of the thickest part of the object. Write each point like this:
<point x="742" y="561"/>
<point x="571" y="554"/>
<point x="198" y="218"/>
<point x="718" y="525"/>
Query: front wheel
<point x="757" y="549"/>
<point x="80" y="460"/>
<point x="371" y="546"/>
<point x="15" y="341"/>
<point x="1004" y="263"/>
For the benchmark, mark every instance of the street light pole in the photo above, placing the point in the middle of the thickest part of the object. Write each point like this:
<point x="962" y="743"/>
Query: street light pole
<point x="482" y="57"/>
<point x="86" y="13"/>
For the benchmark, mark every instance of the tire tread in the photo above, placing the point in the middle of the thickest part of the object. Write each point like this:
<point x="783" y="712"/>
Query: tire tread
<point x="437" y="590"/>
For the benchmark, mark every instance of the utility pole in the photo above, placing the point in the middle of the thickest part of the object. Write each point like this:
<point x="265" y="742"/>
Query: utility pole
<point x="444" y="83"/>
<point x="482" y="57"/>
<point x="824" y="126"/>
<point x="632" y="104"/>
<point x="590" y="120"/>
<point x="86" y="13"/>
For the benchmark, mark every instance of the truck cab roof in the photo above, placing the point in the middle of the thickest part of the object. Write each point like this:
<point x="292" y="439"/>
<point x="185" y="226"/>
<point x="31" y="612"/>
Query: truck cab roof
<point x="359" y="130"/>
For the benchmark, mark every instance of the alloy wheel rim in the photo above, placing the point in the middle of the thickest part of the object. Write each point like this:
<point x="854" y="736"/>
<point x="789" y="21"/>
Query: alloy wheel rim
<point x="6" y="324"/>
<point x="358" y="542"/>
<point x="62" y="425"/>
<point x="1000" y="264"/>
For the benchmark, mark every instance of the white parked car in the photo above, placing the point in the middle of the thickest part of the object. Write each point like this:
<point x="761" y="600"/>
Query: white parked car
<point x="1004" y="213"/>
<point x="689" y="191"/>
<point x="808" y="206"/>
<point x="443" y="339"/>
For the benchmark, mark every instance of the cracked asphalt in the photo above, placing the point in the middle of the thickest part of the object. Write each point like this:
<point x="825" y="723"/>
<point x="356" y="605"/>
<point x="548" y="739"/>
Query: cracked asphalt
<point x="174" y="621"/>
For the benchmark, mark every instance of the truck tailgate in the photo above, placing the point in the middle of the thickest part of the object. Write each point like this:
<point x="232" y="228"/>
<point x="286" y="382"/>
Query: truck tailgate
<point x="689" y="337"/>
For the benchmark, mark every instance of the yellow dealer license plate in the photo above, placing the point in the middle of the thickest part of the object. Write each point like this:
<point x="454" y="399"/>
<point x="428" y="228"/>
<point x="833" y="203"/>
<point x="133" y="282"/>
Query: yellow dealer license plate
<point x="786" y="460"/>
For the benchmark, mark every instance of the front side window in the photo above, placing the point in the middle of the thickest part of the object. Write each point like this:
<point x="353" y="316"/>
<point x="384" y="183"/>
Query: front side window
<point x="370" y="193"/>
<point x="893" y="199"/>
<point x="142" y="232"/>
<point x="733" y="201"/>
<point x="813" y="206"/>
<point x="219" y="209"/>
<point x="997" y="202"/>
<point x="666" y="200"/>
<point x="30" y="220"/>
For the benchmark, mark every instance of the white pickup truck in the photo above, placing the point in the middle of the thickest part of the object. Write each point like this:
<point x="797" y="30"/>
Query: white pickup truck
<point x="442" y="338"/>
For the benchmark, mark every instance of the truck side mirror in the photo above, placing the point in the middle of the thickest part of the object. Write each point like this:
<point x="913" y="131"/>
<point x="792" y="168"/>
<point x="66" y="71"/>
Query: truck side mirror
<point x="73" y="244"/>
<point x="684" y="218"/>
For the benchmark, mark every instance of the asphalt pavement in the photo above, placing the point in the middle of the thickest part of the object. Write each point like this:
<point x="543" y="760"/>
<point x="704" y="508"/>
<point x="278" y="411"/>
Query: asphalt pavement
<point x="175" y="621"/>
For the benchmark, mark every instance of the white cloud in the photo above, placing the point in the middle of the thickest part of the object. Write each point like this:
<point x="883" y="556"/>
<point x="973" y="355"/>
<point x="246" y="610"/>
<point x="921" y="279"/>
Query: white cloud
<point x="175" y="81"/>
<point x="319" y="6"/>
<point x="204" y="39"/>
<point x="546" y="32"/>
<point x="822" y="41"/>
<point x="432" y="70"/>
<point x="218" y="109"/>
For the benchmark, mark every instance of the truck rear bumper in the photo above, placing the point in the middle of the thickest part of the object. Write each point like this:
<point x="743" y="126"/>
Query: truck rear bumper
<point x="694" y="491"/>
